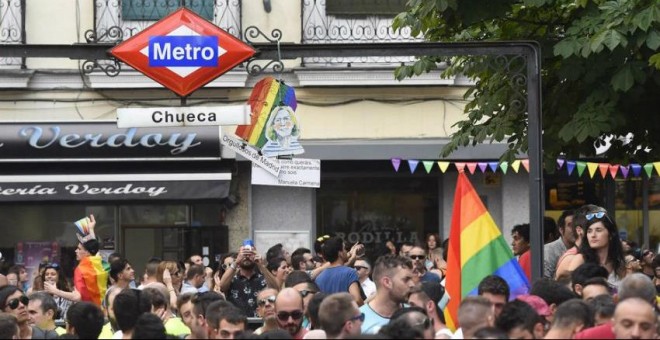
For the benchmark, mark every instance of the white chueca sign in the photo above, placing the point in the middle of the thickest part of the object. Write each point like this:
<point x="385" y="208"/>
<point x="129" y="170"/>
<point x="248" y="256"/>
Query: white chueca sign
<point x="183" y="116"/>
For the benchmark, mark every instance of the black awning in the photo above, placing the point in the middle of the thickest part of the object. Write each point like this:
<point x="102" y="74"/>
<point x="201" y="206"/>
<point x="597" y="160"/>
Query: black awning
<point x="114" y="182"/>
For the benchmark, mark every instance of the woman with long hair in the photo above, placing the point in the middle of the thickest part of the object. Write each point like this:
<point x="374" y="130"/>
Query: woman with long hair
<point x="170" y="273"/>
<point x="53" y="282"/>
<point x="601" y="246"/>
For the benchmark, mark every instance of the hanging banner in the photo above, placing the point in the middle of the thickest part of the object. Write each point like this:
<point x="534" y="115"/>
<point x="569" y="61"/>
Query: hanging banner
<point x="272" y="165"/>
<point x="297" y="172"/>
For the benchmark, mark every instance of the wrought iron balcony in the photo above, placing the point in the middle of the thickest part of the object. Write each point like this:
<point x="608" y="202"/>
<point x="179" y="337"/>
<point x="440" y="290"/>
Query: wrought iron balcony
<point x="322" y="27"/>
<point x="122" y="19"/>
<point x="12" y="29"/>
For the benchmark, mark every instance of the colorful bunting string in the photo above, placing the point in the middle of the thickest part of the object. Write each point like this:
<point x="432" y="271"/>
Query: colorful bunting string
<point x="604" y="169"/>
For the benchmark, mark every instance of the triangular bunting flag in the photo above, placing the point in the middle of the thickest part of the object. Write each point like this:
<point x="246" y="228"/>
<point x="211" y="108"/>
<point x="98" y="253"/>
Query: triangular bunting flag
<point x="396" y="162"/>
<point x="592" y="169"/>
<point x="624" y="171"/>
<point x="460" y="166"/>
<point x="525" y="163"/>
<point x="560" y="163"/>
<point x="613" y="170"/>
<point x="636" y="169"/>
<point x="504" y="166"/>
<point x="443" y="166"/>
<point x="657" y="167"/>
<point x="428" y="165"/>
<point x="412" y="163"/>
<point x="492" y="166"/>
<point x="581" y="166"/>
<point x="515" y="165"/>
<point x="603" y="167"/>
<point x="482" y="166"/>
<point x="472" y="166"/>
<point x="648" y="168"/>
<point x="570" y="166"/>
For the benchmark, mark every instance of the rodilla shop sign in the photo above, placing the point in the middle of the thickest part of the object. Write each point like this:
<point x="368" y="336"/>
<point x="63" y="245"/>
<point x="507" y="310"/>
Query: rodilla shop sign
<point x="183" y="52"/>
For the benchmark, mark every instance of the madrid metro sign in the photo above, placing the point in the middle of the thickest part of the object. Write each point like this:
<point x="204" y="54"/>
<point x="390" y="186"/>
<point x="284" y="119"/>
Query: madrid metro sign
<point x="183" y="52"/>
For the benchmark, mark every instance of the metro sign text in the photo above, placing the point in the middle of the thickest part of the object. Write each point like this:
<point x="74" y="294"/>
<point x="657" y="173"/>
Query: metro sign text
<point x="183" y="52"/>
<point x="179" y="51"/>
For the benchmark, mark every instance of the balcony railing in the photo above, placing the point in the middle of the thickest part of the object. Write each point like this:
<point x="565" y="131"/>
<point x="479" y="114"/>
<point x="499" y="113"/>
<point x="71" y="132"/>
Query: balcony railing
<point x="318" y="27"/>
<point x="12" y="29"/>
<point x="110" y="23"/>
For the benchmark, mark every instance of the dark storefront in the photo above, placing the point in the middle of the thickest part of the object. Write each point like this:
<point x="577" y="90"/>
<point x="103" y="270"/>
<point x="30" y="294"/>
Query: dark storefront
<point x="154" y="192"/>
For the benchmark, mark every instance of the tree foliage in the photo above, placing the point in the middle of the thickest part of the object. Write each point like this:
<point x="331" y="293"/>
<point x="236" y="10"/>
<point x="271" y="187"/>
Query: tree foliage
<point x="600" y="72"/>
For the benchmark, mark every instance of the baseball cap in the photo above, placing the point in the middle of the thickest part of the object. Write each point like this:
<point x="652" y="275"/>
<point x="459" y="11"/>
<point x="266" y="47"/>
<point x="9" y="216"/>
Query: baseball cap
<point x="539" y="305"/>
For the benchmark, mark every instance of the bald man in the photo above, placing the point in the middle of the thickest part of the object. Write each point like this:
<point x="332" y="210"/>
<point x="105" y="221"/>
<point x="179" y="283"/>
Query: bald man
<point x="289" y="312"/>
<point x="634" y="318"/>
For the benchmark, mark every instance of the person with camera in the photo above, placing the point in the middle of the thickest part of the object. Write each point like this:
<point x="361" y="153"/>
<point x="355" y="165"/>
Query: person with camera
<point x="245" y="278"/>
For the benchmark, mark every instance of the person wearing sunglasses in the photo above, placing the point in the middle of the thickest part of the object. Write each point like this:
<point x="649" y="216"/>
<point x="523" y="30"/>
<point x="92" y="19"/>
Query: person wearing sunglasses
<point x="418" y="256"/>
<point x="579" y="220"/>
<point x="340" y="317"/>
<point x="266" y="310"/>
<point x="14" y="302"/>
<point x="289" y="312"/>
<point x="602" y="246"/>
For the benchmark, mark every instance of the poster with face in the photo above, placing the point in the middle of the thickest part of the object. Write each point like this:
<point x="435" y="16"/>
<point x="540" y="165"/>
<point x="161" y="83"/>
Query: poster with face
<point x="282" y="132"/>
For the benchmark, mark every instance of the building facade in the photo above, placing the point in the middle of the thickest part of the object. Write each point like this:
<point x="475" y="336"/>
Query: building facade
<point x="355" y="118"/>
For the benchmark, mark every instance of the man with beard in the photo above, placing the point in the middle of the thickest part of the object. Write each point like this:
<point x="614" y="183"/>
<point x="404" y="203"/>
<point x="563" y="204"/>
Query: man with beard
<point x="289" y="311"/>
<point x="121" y="273"/>
<point x="193" y="312"/>
<point x="242" y="284"/>
<point x="553" y="250"/>
<point x="420" y="273"/>
<point x="394" y="281"/>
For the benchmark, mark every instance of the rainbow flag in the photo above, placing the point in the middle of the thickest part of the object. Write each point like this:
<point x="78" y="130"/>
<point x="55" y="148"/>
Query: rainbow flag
<point x="91" y="279"/>
<point x="267" y="94"/>
<point x="476" y="249"/>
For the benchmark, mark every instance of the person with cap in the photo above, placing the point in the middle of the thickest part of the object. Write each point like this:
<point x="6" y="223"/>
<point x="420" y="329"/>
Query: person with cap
<point x="570" y="318"/>
<point x="520" y="321"/>
<point x="538" y="304"/>
<point x="90" y="277"/>
<point x="427" y="295"/>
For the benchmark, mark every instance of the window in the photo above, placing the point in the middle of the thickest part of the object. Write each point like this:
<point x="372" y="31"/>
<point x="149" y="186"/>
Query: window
<point x="153" y="10"/>
<point x="371" y="210"/>
<point x="344" y="8"/>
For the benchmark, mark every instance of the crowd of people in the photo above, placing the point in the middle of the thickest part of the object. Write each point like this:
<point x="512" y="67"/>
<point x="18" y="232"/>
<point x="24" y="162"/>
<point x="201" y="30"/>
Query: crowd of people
<point x="595" y="285"/>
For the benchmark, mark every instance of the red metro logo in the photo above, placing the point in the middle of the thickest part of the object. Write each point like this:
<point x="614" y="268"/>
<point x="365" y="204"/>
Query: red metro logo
<point x="183" y="52"/>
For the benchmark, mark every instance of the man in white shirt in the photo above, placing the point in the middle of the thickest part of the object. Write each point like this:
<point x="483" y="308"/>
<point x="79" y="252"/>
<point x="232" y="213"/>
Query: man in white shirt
<point x="363" y="269"/>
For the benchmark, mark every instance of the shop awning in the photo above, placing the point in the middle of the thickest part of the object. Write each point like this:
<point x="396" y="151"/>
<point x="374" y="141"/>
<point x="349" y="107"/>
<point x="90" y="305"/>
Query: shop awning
<point x="113" y="187"/>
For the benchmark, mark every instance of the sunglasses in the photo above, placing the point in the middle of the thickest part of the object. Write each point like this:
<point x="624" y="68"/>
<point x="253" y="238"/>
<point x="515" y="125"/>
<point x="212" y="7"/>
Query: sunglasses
<point x="284" y="316"/>
<point x="270" y="299"/>
<point x="426" y="324"/>
<point x="323" y="238"/>
<point x="360" y="267"/>
<point x="598" y="214"/>
<point x="417" y="257"/>
<point x="357" y="317"/>
<point x="306" y="292"/>
<point x="13" y="303"/>
<point x="225" y="266"/>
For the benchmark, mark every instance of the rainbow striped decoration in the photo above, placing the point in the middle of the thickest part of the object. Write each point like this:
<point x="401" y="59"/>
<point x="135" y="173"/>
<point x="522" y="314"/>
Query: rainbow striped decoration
<point x="476" y="249"/>
<point x="267" y="94"/>
<point x="91" y="279"/>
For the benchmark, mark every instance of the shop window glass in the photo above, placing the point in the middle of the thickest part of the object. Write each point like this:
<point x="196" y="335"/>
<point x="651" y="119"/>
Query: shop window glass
<point x="373" y="210"/>
<point x="154" y="215"/>
<point x="628" y="205"/>
<point x="46" y="233"/>
<point x="654" y="213"/>
<point x="564" y="192"/>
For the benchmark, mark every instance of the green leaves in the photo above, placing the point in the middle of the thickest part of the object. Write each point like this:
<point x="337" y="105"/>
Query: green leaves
<point x="601" y="77"/>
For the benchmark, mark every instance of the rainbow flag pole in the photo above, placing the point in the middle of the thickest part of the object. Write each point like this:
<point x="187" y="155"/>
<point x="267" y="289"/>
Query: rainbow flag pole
<point x="476" y="249"/>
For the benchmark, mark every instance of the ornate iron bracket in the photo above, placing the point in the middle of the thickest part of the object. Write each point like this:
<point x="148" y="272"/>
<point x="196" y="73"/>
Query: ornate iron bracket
<point x="256" y="66"/>
<point x="110" y="66"/>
